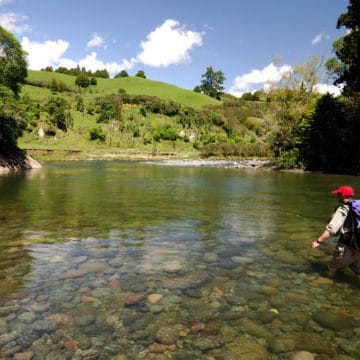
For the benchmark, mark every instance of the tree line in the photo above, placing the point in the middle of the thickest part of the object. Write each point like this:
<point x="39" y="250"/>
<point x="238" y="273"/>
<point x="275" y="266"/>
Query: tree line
<point x="289" y="123"/>
<point x="82" y="73"/>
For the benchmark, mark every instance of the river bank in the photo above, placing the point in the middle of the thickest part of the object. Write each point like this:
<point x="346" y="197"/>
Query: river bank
<point x="161" y="158"/>
<point x="33" y="158"/>
<point x="17" y="160"/>
<point x="219" y="163"/>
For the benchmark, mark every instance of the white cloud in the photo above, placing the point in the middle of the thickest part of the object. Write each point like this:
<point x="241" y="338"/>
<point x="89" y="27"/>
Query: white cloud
<point x="90" y="62"/>
<point x="317" y="39"/>
<point x="168" y="44"/>
<point x="11" y="22"/>
<point x="95" y="41"/>
<point x="50" y="53"/>
<point x="325" y="88"/>
<point x="262" y="79"/>
<point x="45" y="54"/>
<point x="269" y="74"/>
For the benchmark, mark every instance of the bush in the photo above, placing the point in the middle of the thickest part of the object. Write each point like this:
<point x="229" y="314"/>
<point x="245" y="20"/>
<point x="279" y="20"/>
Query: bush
<point x="143" y="111"/>
<point x="82" y="80"/>
<point x="288" y="160"/>
<point x="227" y="149"/>
<point x="97" y="134"/>
<point x="197" y="145"/>
<point x="50" y="131"/>
<point x="164" y="133"/>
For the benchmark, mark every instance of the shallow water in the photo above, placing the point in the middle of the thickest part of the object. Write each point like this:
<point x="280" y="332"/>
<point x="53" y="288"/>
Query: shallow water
<point x="132" y="260"/>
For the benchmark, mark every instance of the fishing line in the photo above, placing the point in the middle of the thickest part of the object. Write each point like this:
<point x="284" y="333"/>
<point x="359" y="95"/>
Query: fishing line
<point x="306" y="217"/>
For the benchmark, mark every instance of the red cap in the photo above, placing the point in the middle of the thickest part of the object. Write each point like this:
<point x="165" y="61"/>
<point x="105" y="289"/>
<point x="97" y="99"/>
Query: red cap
<point x="344" y="190"/>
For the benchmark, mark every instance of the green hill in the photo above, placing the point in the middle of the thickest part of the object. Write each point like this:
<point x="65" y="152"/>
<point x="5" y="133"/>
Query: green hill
<point x="137" y="117"/>
<point x="150" y="124"/>
<point x="132" y="85"/>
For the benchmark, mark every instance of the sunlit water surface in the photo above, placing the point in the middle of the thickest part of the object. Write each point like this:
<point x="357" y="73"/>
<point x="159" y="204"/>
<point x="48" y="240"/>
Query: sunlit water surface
<point x="132" y="260"/>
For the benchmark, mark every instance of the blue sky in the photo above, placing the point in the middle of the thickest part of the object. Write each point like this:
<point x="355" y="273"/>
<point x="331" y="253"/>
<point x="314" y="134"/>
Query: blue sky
<point x="175" y="41"/>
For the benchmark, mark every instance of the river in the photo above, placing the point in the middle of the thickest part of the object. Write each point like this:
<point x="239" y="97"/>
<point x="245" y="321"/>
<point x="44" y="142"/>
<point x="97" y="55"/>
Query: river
<point x="139" y="260"/>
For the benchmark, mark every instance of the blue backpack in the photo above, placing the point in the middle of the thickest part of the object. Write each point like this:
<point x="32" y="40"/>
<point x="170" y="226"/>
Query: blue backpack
<point x="354" y="212"/>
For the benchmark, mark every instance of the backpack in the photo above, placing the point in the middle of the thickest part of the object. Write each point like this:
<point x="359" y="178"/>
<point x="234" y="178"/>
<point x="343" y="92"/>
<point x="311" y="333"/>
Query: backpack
<point x="354" y="213"/>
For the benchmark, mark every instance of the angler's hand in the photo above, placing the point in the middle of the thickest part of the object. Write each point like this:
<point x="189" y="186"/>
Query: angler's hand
<point x="315" y="244"/>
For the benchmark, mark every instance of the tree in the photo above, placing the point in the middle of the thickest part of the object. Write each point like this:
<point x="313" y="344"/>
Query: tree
<point x="12" y="120"/>
<point x="93" y="81"/>
<point x="54" y="86"/>
<point x="102" y="74"/>
<point x="212" y="82"/>
<point x="321" y="148"/>
<point x="122" y="74"/>
<point x="59" y="114"/>
<point x="13" y="67"/>
<point x="141" y="74"/>
<point x="82" y="80"/>
<point x="13" y="72"/>
<point x="347" y="49"/>
<point x="109" y="108"/>
<point x="292" y="101"/>
<point x="80" y="104"/>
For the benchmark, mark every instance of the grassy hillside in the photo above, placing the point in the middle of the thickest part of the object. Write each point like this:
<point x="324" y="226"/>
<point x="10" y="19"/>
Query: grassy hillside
<point x="132" y="134"/>
<point x="132" y="85"/>
<point x="136" y="117"/>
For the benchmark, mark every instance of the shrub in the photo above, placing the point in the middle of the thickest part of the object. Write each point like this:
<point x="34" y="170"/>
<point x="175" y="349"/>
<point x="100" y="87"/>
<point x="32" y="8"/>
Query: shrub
<point x="288" y="159"/>
<point x="50" y="131"/>
<point x="97" y="134"/>
<point x="143" y="111"/>
<point x="165" y="132"/>
<point x="82" y="80"/>
<point x="197" y="145"/>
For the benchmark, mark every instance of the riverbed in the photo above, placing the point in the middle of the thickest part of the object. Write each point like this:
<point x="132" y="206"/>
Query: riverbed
<point x="171" y="260"/>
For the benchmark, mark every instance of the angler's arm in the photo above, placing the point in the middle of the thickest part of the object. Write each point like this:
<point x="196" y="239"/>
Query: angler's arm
<point x="333" y="227"/>
<point x="323" y="237"/>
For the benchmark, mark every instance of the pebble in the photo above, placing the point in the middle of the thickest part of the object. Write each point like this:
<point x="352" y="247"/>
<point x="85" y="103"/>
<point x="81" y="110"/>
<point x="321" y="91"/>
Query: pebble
<point x="23" y="356"/>
<point x="302" y="355"/>
<point x="167" y="335"/>
<point x="172" y="267"/>
<point x="27" y="317"/>
<point x="134" y="299"/>
<point x="120" y="304"/>
<point x="154" y="298"/>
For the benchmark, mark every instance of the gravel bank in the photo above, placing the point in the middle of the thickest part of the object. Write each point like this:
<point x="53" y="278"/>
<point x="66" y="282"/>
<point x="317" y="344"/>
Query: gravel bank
<point x="227" y="164"/>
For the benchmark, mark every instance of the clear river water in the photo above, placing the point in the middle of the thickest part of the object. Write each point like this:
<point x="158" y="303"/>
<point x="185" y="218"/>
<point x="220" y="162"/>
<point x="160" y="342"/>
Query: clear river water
<point x="142" y="260"/>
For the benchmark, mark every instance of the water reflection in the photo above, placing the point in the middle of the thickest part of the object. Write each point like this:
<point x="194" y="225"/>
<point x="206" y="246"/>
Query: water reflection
<point x="129" y="260"/>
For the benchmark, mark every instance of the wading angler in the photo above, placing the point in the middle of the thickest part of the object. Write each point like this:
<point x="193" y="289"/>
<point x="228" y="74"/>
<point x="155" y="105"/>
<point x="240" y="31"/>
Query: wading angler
<point x="345" y="223"/>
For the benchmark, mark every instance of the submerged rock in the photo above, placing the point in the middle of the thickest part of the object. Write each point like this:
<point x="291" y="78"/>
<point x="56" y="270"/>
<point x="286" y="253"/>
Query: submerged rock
<point x="302" y="355"/>
<point x="333" y="321"/>
<point x="166" y="335"/>
<point x="247" y="348"/>
<point x="302" y="341"/>
<point x="187" y="281"/>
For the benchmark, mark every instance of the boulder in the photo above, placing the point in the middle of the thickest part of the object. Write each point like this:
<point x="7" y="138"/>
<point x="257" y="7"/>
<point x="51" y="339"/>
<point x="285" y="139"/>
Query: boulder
<point x="17" y="160"/>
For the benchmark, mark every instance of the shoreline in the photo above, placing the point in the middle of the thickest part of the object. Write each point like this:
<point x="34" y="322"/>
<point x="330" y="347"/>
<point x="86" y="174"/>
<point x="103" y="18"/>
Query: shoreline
<point x="165" y="159"/>
<point x="219" y="163"/>
<point x="26" y="160"/>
